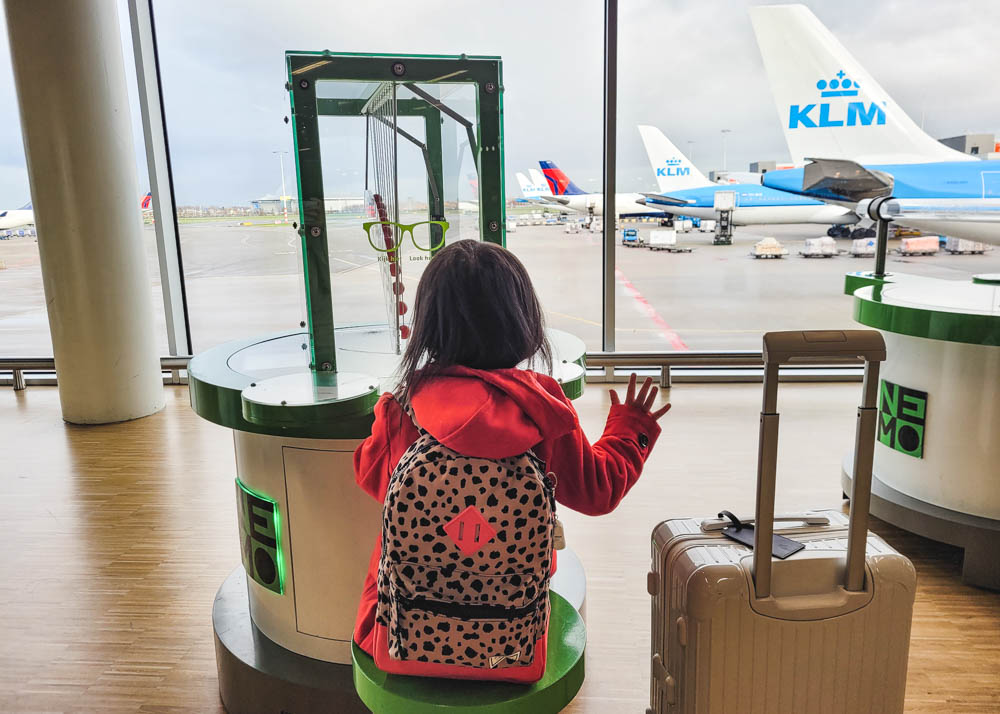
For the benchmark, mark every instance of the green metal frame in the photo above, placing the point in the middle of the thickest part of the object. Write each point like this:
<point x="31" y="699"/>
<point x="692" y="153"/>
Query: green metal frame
<point x="305" y="69"/>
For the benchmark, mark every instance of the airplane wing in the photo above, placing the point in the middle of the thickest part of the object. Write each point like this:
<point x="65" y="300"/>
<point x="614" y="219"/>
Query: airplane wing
<point x="843" y="180"/>
<point x="663" y="200"/>
<point x="547" y="203"/>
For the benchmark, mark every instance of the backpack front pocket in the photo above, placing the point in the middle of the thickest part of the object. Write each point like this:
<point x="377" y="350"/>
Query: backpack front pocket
<point x="475" y="635"/>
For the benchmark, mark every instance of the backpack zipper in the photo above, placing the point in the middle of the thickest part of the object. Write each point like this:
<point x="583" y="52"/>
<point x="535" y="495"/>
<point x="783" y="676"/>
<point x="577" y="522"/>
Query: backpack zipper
<point x="467" y="611"/>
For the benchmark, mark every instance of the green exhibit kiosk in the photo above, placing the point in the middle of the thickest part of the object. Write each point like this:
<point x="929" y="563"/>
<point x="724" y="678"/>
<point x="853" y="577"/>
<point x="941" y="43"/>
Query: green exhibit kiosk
<point x="937" y="458"/>
<point x="422" y="138"/>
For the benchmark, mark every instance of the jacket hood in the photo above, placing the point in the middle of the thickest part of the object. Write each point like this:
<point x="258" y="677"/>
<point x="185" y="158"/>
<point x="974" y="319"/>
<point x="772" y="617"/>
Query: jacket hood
<point x="492" y="413"/>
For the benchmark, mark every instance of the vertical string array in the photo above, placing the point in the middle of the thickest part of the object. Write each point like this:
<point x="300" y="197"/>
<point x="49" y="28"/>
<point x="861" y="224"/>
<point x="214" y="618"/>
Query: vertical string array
<point x="382" y="149"/>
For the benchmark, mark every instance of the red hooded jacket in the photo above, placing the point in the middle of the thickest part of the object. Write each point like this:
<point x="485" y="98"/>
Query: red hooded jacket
<point x="495" y="414"/>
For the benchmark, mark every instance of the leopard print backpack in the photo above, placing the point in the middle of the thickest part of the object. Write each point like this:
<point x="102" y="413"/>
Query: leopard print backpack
<point x="467" y="554"/>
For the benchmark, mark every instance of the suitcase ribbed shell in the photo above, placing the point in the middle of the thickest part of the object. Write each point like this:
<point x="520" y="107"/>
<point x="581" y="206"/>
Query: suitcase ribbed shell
<point x="713" y="653"/>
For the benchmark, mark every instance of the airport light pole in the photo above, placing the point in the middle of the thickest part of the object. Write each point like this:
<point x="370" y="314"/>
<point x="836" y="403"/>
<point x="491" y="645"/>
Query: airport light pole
<point x="691" y="150"/>
<point x="724" y="132"/>
<point x="281" y="163"/>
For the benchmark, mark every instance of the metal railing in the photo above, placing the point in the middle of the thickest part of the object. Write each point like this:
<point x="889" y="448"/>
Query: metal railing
<point x="44" y="368"/>
<point x="693" y="366"/>
<point x="703" y="366"/>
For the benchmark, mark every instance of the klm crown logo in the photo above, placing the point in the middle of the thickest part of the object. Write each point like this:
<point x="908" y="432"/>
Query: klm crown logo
<point x="673" y="168"/>
<point x="840" y="85"/>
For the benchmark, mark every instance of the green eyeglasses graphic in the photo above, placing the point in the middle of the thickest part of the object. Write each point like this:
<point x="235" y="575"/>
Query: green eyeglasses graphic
<point x="425" y="235"/>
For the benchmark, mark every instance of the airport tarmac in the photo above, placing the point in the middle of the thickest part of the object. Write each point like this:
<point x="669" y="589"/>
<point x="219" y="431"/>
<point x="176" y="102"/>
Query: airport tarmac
<point x="247" y="280"/>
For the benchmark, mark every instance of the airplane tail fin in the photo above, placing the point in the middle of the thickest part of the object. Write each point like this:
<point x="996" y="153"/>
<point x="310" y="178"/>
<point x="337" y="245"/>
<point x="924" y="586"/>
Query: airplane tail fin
<point x="147" y="200"/>
<point x="539" y="182"/>
<point x="829" y="106"/>
<point x="674" y="171"/>
<point x="559" y="183"/>
<point x="525" y="184"/>
<point x="532" y="189"/>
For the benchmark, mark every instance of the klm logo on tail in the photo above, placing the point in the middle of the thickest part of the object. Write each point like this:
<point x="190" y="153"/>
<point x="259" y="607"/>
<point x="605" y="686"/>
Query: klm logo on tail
<point x="673" y="168"/>
<point x="858" y="113"/>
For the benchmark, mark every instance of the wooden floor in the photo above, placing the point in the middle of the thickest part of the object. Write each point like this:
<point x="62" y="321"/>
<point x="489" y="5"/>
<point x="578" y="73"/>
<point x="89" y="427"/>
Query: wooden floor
<point x="117" y="537"/>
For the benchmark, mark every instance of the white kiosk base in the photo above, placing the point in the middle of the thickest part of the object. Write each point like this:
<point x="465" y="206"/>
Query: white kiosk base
<point x="937" y="459"/>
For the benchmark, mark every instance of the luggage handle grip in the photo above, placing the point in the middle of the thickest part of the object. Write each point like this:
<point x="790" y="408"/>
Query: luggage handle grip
<point x="709" y="525"/>
<point x="823" y="346"/>
<point x="780" y="347"/>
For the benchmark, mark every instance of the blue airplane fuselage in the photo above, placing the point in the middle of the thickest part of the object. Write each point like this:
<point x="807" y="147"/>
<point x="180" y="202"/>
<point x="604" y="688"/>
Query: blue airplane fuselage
<point x="748" y="195"/>
<point x="943" y="179"/>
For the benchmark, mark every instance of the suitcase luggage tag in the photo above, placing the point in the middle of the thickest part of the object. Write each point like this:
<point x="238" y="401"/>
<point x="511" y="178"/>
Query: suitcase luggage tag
<point x="741" y="532"/>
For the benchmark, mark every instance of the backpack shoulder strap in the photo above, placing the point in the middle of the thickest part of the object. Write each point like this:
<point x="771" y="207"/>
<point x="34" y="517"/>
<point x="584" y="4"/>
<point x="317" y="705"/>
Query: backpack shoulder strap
<point x="408" y="410"/>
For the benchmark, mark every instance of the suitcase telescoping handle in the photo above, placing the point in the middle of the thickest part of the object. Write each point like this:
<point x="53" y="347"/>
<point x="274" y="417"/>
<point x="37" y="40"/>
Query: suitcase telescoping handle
<point x="817" y="346"/>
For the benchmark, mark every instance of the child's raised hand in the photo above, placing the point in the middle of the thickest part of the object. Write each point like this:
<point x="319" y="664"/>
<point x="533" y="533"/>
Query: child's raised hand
<point x="643" y="401"/>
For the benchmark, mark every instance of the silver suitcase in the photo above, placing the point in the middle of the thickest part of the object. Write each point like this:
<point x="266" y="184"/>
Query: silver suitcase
<point x="826" y="630"/>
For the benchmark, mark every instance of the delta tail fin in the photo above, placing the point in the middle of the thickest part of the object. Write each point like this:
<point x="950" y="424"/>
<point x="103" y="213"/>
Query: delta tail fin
<point x="559" y="183"/>
<point x="829" y="106"/>
<point x="673" y="170"/>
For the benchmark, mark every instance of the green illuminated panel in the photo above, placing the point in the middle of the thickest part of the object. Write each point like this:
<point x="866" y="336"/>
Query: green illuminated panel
<point x="902" y="419"/>
<point x="260" y="534"/>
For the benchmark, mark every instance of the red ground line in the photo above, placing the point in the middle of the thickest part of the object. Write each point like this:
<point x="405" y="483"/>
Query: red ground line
<point x="645" y="307"/>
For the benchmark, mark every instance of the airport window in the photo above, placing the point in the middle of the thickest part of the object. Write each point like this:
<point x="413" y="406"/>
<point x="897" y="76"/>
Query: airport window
<point x="234" y="181"/>
<point x="24" y="323"/>
<point x="770" y="105"/>
<point x="680" y="282"/>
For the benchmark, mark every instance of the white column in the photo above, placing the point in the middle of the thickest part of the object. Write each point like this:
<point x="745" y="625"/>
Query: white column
<point x="70" y="79"/>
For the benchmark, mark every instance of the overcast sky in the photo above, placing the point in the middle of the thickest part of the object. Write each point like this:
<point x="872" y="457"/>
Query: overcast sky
<point x="690" y="67"/>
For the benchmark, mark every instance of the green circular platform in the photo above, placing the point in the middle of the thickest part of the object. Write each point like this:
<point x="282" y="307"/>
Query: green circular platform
<point x="564" y="671"/>
<point x="264" y="385"/>
<point x="986" y="279"/>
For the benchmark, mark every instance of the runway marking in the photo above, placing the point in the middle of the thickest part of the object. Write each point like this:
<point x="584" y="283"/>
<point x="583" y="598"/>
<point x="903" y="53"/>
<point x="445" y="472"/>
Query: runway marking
<point x="356" y="265"/>
<point x="574" y="317"/>
<point x="642" y="304"/>
<point x="658" y="330"/>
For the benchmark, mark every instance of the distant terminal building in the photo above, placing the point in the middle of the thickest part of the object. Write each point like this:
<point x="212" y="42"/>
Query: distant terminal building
<point x="271" y="205"/>
<point x="975" y="144"/>
<point x="341" y="204"/>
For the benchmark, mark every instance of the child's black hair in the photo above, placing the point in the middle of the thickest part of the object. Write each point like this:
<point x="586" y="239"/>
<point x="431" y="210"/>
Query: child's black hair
<point x="475" y="307"/>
